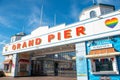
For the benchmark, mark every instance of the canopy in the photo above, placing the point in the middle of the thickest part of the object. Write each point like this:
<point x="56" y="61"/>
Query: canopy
<point x="8" y="61"/>
<point x="106" y="52"/>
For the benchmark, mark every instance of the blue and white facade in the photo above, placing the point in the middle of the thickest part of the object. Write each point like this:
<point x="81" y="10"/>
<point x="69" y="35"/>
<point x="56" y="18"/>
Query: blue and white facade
<point x="107" y="59"/>
<point x="95" y="40"/>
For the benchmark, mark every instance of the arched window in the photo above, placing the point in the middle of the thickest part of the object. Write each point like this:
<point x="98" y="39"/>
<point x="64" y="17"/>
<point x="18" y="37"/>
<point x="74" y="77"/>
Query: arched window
<point x="92" y="14"/>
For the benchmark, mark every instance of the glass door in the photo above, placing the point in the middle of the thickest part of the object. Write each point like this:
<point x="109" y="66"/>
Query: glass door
<point x="37" y="67"/>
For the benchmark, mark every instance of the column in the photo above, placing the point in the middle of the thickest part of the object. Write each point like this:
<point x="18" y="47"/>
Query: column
<point x="14" y="65"/>
<point x="81" y="62"/>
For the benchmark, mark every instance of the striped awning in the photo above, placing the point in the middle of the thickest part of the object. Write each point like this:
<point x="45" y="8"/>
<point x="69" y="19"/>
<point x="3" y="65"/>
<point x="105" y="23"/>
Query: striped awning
<point x="107" y="52"/>
<point x="103" y="55"/>
<point x="8" y="61"/>
<point x="24" y="61"/>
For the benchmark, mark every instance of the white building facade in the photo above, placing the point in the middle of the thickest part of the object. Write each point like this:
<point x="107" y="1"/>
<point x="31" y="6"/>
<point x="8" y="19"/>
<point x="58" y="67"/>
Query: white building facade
<point x="88" y="49"/>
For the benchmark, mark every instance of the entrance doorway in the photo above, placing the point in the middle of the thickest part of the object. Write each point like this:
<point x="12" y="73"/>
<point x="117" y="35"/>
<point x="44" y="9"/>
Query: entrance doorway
<point x="37" y="68"/>
<point x="59" y="64"/>
<point x="56" y="68"/>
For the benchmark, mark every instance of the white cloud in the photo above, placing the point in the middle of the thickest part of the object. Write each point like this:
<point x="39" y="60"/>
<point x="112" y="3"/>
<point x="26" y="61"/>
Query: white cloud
<point x="34" y="19"/>
<point x="3" y="42"/>
<point x="4" y="21"/>
<point x="3" y="37"/>
<point x="74" y="12"/>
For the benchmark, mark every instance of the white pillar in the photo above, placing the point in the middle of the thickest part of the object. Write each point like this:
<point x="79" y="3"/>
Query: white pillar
<point x="81" y="62"/>
<point x="14" y="65"/>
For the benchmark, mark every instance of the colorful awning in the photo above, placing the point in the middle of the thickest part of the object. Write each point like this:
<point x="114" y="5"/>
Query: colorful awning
<point x="102" y="53"/>
<point x="24" y="60"/>
<point x="8" y="61"/>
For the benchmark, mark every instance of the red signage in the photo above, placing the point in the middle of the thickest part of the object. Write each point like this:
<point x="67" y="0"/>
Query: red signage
<point x="37" y="41"/>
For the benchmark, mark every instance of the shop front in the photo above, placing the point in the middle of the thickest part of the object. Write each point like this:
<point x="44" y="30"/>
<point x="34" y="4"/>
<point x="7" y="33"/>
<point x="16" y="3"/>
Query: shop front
<point x="60" y="64"/>
<point x="55" y="61"/>
<point x="23" y="64"/>
<point x="7" y="66"/>
<point x="103" y="57"/>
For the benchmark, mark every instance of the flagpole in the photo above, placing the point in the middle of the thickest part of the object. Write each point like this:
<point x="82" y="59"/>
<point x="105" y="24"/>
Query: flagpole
<point x="93" y="1"/>
<point x="41" y="15"/>
<point x="54" y="19"/>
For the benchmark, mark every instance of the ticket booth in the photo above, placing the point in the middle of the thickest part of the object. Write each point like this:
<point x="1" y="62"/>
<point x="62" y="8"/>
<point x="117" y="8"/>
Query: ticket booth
<point x="103" y="58"/>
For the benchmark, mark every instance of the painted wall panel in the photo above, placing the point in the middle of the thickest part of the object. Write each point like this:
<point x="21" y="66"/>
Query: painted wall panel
<point x="81" y="62"/>
<point x="115" y="41"/>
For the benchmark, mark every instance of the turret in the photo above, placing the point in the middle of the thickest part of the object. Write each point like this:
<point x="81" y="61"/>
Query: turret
<point x="17" y="36"/>
<point x="96" y="11"/>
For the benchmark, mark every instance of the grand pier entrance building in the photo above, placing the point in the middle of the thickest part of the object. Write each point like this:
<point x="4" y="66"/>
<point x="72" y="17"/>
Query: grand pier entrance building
<point x="88" y="49"/>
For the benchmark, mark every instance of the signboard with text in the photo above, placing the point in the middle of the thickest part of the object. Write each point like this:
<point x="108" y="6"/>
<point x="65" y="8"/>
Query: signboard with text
<point x="76" y="32"/>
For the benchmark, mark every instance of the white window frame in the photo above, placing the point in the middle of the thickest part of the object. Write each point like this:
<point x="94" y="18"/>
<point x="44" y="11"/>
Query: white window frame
<point x="93" y="14"/>
<point x="9" y="68"/>
<point x="27" y="67"/>
<point x="114" y="64"/>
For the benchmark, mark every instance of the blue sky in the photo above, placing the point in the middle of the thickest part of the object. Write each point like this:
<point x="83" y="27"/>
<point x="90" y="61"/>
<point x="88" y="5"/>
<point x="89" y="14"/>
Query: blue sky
<point x="16" y="14"/>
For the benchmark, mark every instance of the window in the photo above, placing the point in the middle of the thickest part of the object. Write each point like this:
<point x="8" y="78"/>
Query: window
<point x="103" y="65"/>
<point x="23" y="68"/>
<point x="92" y="14"/>
<point x="7" y="67"/>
